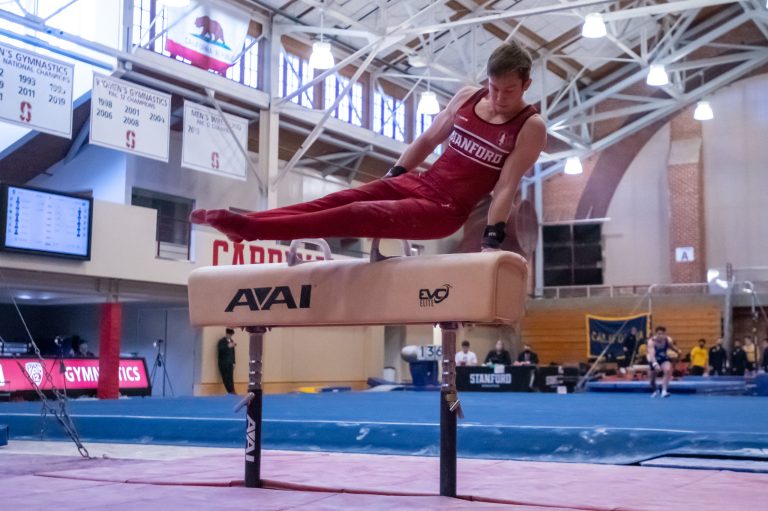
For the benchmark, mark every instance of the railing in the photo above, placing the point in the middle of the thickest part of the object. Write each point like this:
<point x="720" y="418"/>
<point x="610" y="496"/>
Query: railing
<point x="607" y="291"/>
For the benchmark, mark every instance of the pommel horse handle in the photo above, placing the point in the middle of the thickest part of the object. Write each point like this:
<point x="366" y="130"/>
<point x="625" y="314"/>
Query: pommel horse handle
<point x="376" y="254"/>
<point x="293" y="256"/>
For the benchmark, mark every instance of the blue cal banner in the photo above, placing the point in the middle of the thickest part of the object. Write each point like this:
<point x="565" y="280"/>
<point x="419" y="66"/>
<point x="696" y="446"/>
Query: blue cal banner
<point x="623" y="334"/>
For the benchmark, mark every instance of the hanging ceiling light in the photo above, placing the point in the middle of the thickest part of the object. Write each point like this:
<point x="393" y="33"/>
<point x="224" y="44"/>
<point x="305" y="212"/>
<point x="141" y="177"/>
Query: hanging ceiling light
<point x="573" y="166"/>
<point x="657" y="75"/>
<point x="703" y="111"/>
<point x="321" y="57"/>
<point x="428" y="104"/>
<point x="594" y="26"/>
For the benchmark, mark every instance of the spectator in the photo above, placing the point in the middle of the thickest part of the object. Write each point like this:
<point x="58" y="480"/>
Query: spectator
<point x="466" y="357"/>
<point x="699" y="358"/>
<point x="629" y="347"/>
<point x="717" y="357"/>
<point x="764" y="358"/>
<point x="82" y="350"/>
<point x="738" y="359"/>
<point x="751" y="350"/>
<point x="498" y="355"/>
<point x="527" y="356"/>
<point x="226" y="357"/>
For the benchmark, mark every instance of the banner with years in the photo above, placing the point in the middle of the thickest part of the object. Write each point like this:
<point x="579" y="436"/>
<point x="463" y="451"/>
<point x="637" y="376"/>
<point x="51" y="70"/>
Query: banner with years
<point x="209" y="146"/>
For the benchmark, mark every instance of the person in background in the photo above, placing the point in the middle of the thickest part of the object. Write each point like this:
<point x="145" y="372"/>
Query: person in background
<point x="658" y="345"/>
<point x="527" y="356"/>
<point x="466" y="357"/>
<point x="82" y="350"/>
<point x="764" y="357"/>
<point x="226" y="356"/>
<point x="717" y="357"/>
<point x="699" y="358"/>
<point x="751" y="350"/>
<point x="738" y="359"/>
<point x="498" y="355"/>
<point x="629" y="346"/>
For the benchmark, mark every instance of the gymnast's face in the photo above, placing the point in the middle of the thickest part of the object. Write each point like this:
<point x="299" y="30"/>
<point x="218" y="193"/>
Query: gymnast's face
<point x="505" y="92"/>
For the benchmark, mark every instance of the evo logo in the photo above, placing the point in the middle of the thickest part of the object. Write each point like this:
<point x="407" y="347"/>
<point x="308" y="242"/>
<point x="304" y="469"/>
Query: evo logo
<point x="264" y="298"/>
<point x="429" y="298"/>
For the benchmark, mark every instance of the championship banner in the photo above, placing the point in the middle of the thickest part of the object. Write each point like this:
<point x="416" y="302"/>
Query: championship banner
<point x="208" y="145"/>
<point x="614" y="333"/>
<point x="36" y="91"/>
<point x="130" y="118"/>
<point x="17" y="374"/>
<point x="210" y="36"/>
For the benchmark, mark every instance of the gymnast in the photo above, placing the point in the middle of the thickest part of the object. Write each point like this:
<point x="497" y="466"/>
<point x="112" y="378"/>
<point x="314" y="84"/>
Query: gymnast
<point x="494" y="137"/>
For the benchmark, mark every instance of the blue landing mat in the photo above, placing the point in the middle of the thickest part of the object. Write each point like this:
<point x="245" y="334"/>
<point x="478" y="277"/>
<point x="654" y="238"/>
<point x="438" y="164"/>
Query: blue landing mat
<point x="3" y="434"/>
<point x="590" y="427"/>
<point x="733" y="386"/>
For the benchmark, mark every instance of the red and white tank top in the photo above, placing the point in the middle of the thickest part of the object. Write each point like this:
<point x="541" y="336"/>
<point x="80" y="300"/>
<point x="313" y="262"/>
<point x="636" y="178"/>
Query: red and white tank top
<point x="477" y="149"/>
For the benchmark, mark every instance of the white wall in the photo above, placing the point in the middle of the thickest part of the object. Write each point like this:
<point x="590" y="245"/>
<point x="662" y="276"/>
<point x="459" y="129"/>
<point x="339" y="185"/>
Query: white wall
<point x="736" y="176"/>
<point x="98" y="169"/>
<point x="636" y="239"/>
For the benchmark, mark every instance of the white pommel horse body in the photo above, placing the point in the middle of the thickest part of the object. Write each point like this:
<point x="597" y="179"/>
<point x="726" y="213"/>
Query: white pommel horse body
<point x="443" y="289"/>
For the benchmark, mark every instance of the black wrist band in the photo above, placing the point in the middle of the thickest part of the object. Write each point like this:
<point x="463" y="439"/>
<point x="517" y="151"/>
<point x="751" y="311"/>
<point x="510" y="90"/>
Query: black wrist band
<point x="395" y="171"/>
<point x="494" y="235"/>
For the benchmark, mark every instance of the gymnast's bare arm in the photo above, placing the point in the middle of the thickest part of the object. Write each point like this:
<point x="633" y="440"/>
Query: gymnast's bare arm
<point x="436" y="134"/>
<point x="530" y="143"/>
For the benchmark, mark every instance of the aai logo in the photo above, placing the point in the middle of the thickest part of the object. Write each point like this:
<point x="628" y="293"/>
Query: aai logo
<point x="430" y="298"/>
<point x="264" y="298"/>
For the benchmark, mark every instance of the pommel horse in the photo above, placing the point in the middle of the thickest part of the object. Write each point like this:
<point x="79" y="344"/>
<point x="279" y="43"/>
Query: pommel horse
<point x="439" y="289"/>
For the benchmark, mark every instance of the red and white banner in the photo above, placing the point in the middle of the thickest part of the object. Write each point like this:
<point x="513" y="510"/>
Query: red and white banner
<point x="77" y="374"/>
<point x="210" y="36"/>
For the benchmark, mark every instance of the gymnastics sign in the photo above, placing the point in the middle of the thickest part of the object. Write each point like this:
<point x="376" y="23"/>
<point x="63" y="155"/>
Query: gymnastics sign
<point x="210" y="38"/>
<point x="72" y="374"/>
<point x="36" y="91"/>
<point x="613" y="332"/>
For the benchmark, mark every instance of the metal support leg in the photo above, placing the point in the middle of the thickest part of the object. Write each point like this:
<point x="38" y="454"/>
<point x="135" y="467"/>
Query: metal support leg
<point x="253" y="412"/>
<point x="450" y="408"/>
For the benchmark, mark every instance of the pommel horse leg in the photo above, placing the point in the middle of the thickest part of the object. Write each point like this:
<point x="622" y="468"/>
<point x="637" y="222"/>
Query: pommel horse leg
<point x="450" y="408"/>
<point x="253" y="412"/>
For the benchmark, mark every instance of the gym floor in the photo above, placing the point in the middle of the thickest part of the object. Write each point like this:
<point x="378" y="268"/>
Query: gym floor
<point x="624" y="451"/>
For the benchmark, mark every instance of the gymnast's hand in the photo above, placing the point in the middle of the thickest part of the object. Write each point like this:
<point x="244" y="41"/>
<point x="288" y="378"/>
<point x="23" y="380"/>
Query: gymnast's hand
<point x="395" y="171"/>
<point x="489" y="249"/>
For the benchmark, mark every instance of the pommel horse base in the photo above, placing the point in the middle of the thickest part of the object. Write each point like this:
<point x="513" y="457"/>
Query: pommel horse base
<point x="440" y="289"/>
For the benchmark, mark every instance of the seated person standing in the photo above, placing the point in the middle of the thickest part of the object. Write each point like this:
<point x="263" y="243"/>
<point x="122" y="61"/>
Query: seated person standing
<point x="498" y="355"/>
<point x="527" y="356"/>
<point x="466" y="357"/>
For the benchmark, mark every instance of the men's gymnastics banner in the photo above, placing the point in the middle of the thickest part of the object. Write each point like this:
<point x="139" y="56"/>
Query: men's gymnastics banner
<point x="622" y="335"/>
<point x="209" y="36"/>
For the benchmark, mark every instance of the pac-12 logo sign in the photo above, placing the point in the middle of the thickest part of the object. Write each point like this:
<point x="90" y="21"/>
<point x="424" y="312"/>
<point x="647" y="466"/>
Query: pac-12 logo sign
<point x="430" y="298"/>
<point x="35" y="372"/>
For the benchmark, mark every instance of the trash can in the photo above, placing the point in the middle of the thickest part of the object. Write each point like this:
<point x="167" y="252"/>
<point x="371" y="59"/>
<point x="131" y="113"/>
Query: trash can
<point x="390" y="374"/>
<point x="424" y="373"/>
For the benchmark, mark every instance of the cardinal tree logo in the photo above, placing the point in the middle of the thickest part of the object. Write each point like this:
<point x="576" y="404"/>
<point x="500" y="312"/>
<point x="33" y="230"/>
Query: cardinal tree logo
<point x="430" y="298"/>
<point x="35" y="372"/>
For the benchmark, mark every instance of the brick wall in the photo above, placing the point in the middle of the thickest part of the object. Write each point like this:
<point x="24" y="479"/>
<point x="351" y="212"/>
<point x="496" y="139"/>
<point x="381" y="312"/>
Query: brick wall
<point x="686" y="198"/>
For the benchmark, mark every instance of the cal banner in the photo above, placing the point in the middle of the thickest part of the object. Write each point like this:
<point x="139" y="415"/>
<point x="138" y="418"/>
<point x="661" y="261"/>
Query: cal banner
<point x="209" y="146"/>
<point x="614" y="332"/>
<point x="211" y="36"/>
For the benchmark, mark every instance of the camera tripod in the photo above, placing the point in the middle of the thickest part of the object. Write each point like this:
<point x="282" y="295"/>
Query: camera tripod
<point x="160" y="362"/>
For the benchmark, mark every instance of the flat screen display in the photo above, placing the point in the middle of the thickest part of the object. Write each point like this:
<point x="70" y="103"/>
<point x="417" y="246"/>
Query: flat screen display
<point x="47" y="223"/>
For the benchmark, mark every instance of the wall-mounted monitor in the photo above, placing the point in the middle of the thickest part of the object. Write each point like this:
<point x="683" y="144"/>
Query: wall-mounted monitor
<point x="43" y="222"/>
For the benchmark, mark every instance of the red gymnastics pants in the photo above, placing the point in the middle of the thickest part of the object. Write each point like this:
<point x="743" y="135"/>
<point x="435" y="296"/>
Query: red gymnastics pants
<point x="405" y="207"/>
